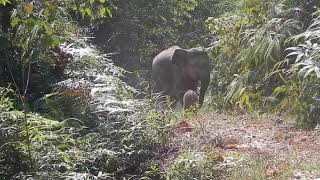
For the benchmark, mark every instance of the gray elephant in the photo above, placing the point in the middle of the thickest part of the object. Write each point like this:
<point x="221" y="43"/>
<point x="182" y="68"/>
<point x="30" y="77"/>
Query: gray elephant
<point x="177" y="70"/>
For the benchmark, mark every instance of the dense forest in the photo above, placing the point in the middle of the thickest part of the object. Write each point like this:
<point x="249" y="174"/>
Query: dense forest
<point x="79" y="98"/>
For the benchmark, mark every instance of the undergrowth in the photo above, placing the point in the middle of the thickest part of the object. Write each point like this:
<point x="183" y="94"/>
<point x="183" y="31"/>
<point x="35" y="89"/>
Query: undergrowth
<point x="89" y="126"/>
<point x="195" y="165"/>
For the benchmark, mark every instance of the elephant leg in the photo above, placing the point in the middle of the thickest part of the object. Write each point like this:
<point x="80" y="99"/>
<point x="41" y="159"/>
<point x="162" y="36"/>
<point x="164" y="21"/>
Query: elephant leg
<point x="168" y="94"/>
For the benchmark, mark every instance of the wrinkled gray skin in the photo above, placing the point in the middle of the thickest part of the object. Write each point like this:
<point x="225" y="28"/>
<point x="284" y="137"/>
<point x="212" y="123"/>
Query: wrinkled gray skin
<point x="177" y="70"/>
<point x="190" y="98"/>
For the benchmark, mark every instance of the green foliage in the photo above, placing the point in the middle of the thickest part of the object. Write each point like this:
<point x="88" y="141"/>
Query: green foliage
<point x="4" y="2"/>
<point x="262" y="50"/>
<point x="153" y="171"/>
<point x="307" y="105"/>
<point x="71" y="115"/>
<point x="87" y="122"/>
<point x="139" y="29"/>
<point x="93" y="9"/>
<point x="191" y="111"/>
<point x="118" y="144"/>
<point x="44" y="23"/>
<point x="249" y="46"/>
<point x="183" y="8"/>
<point x="193" y="165"/>
<point x="305" y="74"/>
<point x="273" y="62"/>
<point x="124" y="145"/>
<point x="48" y="141"/>
<point x="306" y="54"/>
<point x="36" y="30"/>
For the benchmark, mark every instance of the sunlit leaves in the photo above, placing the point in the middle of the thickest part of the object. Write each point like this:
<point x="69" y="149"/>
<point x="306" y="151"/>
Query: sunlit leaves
<point x="307" y="55"/>
<point x="252" y="37"/>
<point x="50" y="9"/>
<point x="261" y="49"/>
<point x="6" y="103"/>
<point x="39" y="25"/>
<point x="265" y="44"/>
<point x="184" y="7"/>
<point x="14" y="22"/>
<point x="309" y="66"/>
<point x="306" y="59"/>
<point x="88" y="12"/>
<point x="4" y="2"/>
<point x="108" y="11"/>
<point x="93" y="9"/>
<point x="313" y="31"/>
<point x="237" y="87"/>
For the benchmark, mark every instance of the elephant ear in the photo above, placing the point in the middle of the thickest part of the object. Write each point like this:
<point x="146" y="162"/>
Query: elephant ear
<point x="179" y="57"/>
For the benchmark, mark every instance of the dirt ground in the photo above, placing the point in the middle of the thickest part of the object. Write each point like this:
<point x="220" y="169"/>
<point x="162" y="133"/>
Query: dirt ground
<point x="271" y="138"/>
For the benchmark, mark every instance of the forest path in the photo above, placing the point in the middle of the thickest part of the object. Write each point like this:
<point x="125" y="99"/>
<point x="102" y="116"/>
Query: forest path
<point x="277" y="147"/>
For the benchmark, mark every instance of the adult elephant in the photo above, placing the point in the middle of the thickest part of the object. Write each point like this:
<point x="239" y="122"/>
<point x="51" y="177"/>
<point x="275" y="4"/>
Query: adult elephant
<point x="177" y="70"/>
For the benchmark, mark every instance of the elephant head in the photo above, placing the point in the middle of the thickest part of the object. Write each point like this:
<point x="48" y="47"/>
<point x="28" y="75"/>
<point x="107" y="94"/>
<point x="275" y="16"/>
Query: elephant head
<point x="195" y="66"/>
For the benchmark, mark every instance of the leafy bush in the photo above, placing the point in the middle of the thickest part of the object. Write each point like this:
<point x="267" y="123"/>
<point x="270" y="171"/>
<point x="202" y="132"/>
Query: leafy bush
<point x="257" y="52"/>
<point x="305" y="74"/>
<point x="90" y="123"/>
<point x="40" y="144"/>
<point x="12" y="158"/>
<point x="271" y="51"/>
<point x="193" y="165"/>
<point x="307" y="107"/>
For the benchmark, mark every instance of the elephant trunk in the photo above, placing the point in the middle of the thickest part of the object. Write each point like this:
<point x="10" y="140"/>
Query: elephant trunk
<point x="204" y="86"/>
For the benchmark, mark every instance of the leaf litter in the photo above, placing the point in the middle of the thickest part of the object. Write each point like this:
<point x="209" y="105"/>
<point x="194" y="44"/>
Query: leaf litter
<point x="273" y="138"/>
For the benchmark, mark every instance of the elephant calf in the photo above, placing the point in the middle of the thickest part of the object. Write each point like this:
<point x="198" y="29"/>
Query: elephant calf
<point x="190" y="99"/>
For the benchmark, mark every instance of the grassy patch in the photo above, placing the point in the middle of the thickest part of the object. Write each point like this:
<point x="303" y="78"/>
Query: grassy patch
<point x="258" y="168"/>
<point x="194" y="165"/>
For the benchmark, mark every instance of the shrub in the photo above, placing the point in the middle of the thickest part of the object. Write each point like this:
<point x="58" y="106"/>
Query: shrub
<point x="304" y="74"/>
<point x="193" y="165"/>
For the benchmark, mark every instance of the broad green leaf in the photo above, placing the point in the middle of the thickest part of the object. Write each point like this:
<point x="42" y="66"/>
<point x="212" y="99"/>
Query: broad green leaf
<point x="88" y="11"/>
<point x="52" y="7"/>
<point x="14" y="22"/>
<point x="48" y="30"/>
<point x="91" y="1"/>
<point x="102" y="12"/>
<point x="108" y="11"/>
<point x="55" y="41"/>
<point x="4" y="2"/>
<point x="46" y="13"/>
